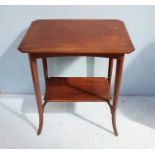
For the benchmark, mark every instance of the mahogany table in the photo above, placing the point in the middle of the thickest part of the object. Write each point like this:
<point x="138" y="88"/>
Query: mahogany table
<point x="97" y="38"/>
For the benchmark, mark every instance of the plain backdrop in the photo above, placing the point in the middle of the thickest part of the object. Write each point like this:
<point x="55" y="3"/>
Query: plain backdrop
<point x="139" y="71"/>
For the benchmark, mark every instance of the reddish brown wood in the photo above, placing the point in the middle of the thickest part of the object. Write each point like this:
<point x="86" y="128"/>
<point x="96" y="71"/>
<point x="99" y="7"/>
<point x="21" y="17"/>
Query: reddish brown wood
<point x="46" y="55"/>
<point x="101" y="38"/>
<point x="74" y="89"/>
<point x="34" y="71"/>
<point x="110" y="71"/>
<point x="119" y="68"/>
<point x="71" y="37"/>
<point x="45" y="69"/>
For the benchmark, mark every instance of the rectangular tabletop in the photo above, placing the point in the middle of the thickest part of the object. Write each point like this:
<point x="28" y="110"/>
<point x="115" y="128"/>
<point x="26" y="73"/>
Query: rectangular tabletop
<point x="69" y="37"/>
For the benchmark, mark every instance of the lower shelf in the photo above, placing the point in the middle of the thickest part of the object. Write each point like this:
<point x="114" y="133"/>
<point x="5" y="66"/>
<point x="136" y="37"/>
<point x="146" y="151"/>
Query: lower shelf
<point x="84" y="89"/>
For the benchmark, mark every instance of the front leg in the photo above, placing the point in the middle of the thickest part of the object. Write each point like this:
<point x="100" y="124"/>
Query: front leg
<point x="118" y="77"/>
<point x="35" y="77"/>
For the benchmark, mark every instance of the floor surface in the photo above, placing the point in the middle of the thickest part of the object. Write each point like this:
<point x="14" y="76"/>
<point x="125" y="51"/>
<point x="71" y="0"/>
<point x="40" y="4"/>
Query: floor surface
<point x="77" y="125"/>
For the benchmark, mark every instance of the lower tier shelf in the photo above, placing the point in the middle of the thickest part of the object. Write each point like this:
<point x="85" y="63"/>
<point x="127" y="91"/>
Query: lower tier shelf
<point x="77" y="89"/>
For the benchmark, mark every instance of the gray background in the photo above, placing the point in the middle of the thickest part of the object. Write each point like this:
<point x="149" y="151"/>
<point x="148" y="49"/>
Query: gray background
<point x="139" y="71"/>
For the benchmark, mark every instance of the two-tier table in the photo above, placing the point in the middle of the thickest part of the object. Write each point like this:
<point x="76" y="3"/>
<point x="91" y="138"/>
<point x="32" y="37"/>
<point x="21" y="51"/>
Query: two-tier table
<point x="96" y="38"/>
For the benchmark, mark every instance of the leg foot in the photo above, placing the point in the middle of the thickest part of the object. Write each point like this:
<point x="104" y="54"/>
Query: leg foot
<point x="114" y="123"/>
<point x="118" y="76"/>
<point x="40" y="125"/>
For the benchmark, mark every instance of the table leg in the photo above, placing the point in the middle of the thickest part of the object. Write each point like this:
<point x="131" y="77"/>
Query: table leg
<point x="110" y="68"/>
<point x="118" y="76"/>
<point x="110" y="71"/>
<point x="35" y="77"/>
<point x="45" y="68"/>
<point x="44" y="60"/>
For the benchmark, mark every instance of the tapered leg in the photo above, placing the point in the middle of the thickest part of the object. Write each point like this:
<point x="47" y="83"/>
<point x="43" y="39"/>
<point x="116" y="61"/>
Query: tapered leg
<point x="110" y="68"/>
<point x="44" y="60"/>
<point x="110" y="71"/>
<point x="34" y="71"/>
<point x="119" y="68"/>
<point x="45" y="69"/>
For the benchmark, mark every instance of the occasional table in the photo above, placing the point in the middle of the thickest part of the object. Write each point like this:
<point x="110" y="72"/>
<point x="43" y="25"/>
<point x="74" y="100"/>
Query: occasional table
<point x="95" y="38"/>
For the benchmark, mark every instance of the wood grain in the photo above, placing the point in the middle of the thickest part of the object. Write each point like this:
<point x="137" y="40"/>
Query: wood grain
<point x="77" y="89"/>
<point x="72" y="37"/>
<point x="52" y="38"/>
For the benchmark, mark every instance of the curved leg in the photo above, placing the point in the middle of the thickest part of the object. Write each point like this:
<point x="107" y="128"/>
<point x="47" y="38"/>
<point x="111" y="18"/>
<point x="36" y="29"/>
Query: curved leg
<point x="34" y="71"/>
<point x="110" y="68"/>
<point x="118" y="76"/>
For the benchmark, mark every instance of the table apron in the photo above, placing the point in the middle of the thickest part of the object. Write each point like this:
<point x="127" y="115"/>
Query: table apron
<point x="114" y="56"/>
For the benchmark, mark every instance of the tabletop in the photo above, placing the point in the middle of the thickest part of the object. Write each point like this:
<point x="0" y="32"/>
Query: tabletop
<point x="77" y="37"/>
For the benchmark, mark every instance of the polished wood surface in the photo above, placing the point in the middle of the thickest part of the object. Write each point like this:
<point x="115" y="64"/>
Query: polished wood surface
<point x="35" y="77"/>
<point x="75" y="37"/>
<point x="45" y="69"/>
<point x="119" y="69"/>
<point x="73" y="89"/>
<point x="111" y="60"/>
<point x="50" y="38"/>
